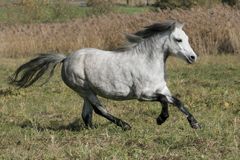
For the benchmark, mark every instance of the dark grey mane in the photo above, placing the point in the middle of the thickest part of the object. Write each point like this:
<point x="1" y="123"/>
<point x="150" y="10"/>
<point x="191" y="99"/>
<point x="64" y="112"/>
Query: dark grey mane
<point x="155" y="28"/>
<point x="147" y="32"/>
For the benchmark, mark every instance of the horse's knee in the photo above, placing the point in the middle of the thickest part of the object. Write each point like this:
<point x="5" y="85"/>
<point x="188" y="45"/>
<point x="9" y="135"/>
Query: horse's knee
<point x="165" y="116"/>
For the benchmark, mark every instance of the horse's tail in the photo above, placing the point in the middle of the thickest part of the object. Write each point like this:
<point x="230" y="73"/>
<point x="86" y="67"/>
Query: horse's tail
<point x="31" y="71"/>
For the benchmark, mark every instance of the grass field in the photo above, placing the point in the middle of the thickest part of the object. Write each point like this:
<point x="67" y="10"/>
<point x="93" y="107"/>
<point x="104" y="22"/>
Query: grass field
<point x="43" y="122"/>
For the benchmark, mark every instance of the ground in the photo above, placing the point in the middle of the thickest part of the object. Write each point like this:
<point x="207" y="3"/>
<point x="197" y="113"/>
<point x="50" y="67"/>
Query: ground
<point x="43" y="122"/>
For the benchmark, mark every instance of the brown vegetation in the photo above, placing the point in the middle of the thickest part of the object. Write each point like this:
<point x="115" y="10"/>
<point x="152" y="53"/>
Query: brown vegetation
<point x="211" y="31"/>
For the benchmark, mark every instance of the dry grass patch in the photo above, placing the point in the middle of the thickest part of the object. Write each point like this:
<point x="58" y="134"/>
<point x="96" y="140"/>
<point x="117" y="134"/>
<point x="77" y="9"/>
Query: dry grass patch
<point x="214" y="30"/>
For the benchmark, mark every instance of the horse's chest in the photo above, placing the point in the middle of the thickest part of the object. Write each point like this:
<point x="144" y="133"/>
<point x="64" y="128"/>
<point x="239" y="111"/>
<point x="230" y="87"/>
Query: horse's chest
<point x="150" y="81"/>
<point x="150" y="77"/>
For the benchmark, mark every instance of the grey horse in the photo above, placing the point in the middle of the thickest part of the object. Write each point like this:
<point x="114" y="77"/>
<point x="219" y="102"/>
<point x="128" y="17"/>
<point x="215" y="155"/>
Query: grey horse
<point x="135" y="71"/>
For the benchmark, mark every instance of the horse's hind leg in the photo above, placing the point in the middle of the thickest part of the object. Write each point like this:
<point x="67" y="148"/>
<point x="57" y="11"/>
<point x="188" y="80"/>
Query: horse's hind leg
<point x="87" y="113"/>
<point x="100" y="110"/>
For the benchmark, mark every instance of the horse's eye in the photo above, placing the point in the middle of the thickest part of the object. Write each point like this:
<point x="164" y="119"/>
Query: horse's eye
<point x="178" y="40"/>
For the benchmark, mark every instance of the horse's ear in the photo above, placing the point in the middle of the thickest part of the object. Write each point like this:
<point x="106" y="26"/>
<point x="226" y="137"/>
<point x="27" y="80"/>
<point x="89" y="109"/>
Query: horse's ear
<point x="173" y="26"/>
<point x="180" y="25"/>
<point x="177" y="25"/>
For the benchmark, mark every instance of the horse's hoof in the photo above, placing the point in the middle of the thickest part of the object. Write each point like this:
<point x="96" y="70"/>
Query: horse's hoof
<point x="91" y="126"/>
<point x="126" y="127"/>
<point x="195" y="125"/>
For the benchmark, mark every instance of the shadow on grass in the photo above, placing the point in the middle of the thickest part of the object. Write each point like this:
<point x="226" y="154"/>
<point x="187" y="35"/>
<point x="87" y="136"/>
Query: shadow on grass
<point x="8" y="92"/>
<point x="55" y="126"/>
<point x="76" y="125"/>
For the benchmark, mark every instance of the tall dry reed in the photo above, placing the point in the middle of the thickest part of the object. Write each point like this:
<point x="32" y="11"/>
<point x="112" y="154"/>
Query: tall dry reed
<point x="211" y="31"/>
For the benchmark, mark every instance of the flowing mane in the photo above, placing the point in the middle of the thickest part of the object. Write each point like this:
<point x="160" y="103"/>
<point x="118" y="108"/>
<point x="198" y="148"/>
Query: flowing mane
<point x="148" y="32"/>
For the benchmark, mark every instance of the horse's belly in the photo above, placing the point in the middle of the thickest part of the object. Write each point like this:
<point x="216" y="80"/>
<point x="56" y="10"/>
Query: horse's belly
<point x="116" y="91"/>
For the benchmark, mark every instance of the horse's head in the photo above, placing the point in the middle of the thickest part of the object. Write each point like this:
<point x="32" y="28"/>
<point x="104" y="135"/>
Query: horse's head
<point x="179" y="46"/>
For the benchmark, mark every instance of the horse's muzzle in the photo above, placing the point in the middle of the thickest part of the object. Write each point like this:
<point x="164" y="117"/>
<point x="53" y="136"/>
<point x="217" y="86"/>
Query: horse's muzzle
<point x="191" y="59"/>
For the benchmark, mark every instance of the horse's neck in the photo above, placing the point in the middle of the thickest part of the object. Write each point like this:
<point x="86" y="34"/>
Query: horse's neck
<point x="153" y="50"/>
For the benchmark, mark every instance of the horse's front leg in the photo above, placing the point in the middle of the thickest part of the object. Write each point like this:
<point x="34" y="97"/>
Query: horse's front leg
<point x="151" y="96"/>
<point x="192" y="121"/>
<point x="164" y="100"/>
<point x="164" y="114"/>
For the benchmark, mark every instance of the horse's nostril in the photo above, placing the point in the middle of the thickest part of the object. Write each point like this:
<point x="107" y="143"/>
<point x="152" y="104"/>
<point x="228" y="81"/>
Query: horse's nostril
<point x="192" y="57"/>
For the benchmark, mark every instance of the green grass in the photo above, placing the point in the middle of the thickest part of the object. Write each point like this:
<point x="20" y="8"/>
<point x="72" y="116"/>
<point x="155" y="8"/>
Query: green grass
<point x="36" y="123"/>
<point x="43" y="14"/>
<point x="56" y="13"/>
<point x="132" y="10"/>
<point x="3" y="15"/>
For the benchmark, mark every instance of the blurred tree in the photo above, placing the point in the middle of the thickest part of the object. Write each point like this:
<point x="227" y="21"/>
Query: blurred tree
<point x="231" y="2"/>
